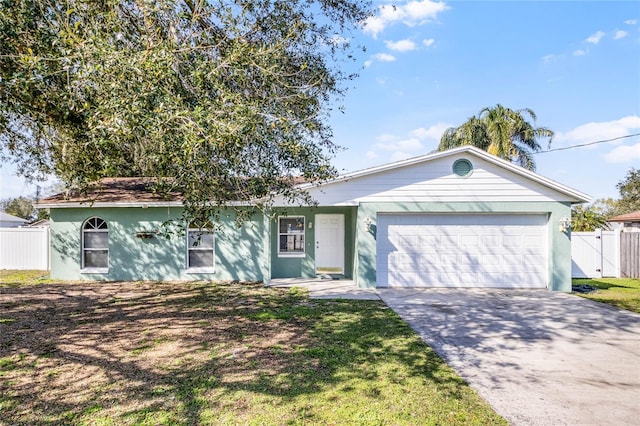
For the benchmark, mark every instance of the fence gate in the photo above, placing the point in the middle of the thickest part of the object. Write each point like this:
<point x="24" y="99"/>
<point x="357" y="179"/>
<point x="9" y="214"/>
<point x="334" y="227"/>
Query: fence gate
<point x="595" y="254"/>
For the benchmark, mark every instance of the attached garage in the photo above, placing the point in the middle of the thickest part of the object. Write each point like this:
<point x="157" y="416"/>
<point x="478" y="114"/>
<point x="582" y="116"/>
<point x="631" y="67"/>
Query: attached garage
<point x="462" y="250"/>
<point x="456" y="218"/>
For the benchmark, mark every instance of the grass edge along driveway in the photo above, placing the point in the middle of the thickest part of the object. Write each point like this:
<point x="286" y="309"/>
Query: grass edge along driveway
<point x="207" y="353"/>
<point x="623" y="293"/>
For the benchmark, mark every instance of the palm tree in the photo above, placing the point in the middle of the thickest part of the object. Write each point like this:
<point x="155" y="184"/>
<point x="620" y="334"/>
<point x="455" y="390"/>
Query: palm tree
<point x="587" y="219"/>
<point x="500" y="131"/>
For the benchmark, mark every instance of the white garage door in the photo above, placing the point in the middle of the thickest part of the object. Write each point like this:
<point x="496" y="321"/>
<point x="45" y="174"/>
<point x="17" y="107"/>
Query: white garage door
<point x="462" y="250"/>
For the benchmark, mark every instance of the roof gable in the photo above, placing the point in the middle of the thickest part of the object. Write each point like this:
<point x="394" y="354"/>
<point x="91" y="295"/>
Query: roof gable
<point x="430" y="178"/>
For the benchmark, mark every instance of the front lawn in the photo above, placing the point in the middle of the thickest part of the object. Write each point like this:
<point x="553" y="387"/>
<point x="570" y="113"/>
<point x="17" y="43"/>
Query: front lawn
<point x="202" y="353"/>
<point x="621" y="292"/>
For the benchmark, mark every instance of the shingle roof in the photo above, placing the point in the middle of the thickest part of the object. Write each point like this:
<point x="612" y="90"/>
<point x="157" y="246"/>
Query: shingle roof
<point x="123" y="191"/>
<point x="628" y="217"/>
<point x="116" y="190"/>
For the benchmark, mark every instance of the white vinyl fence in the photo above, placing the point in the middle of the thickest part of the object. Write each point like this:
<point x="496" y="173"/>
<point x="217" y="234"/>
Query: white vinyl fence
<point x="595" y="254"/>
<point x="24" y="248"/>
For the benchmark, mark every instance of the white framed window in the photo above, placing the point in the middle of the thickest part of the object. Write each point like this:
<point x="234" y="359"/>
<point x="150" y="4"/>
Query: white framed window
<point x="200" y="250"/>
<point x="95" y="246"/>
<point x="291" y="236"/>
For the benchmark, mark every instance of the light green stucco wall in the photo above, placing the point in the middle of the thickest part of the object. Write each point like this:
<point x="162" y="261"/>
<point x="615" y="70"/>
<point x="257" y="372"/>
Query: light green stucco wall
<point x="240" y="253"/>
<point x="559" y="242"/>
<point x="288" y="267"/>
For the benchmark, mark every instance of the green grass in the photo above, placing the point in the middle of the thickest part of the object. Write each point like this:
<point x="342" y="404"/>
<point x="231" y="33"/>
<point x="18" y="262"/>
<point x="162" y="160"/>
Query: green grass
<point x="13" y="278"/>
<point x="620" y="292"/>
<point x="202" y="353"/>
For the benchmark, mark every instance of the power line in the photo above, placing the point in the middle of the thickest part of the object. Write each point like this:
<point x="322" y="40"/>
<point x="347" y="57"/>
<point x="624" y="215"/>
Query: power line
<point x="587" y="144"/>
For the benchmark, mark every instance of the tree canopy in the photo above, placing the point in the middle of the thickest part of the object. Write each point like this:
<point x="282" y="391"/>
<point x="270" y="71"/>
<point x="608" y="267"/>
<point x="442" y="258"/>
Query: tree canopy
<point x="227" y="99"/>
<point x="587" y="218"/>
<point x="19" y="207"/>
<point x="629" y="189"/>
<point x="506" y="133"/>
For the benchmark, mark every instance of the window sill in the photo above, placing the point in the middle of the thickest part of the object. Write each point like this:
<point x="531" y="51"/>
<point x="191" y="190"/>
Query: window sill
<point x="291" y="254"/>
<point x="200" y="271"/>
<point x="94" y="271"/>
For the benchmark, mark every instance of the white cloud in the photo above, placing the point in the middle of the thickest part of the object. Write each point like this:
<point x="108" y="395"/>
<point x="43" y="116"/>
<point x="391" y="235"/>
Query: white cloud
<point x="401" y="45"/>
<point x="411" y="144"/>
<point x="386" y="137"/>
<point x="624" y="154"/>
<point x="579" y="52"/>
<point x="413" y="13"/>
<point x="620" y="34"/>
<point x="433" y="132"/>
<point x="371" y="155"/>
<point x="380" y="57"/>
<point x="595" y="38"/>
<point x="384" y="57"/>
<point x="428" y="42"/>
<point x="596" y="131"/>
<point x="548" y="58"/>
<point x="631" y="21"/>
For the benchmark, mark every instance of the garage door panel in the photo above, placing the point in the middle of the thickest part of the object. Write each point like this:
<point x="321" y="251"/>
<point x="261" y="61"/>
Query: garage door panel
<point x="428" y="242"/>
<point x="468" y="250"/>
<point x="427" y="260"/>
<point x="512" y="241"/>
<point x="491" y="240"/>
<point x="469" y="240"/>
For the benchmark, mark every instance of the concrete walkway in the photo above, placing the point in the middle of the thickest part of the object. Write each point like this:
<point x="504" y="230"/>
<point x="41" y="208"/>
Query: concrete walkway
<point x="320" y="288"/>
<point x="538" y="357"/>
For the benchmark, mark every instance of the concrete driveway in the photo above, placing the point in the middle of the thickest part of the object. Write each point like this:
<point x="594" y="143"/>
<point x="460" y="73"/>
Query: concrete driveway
<point x="538" y="357"/>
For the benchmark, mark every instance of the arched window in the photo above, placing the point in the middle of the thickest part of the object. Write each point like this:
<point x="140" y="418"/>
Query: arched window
<point x="95" y="244"/>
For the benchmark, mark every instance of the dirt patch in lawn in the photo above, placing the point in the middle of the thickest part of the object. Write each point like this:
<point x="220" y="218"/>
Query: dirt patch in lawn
<point x="202" y="353"/>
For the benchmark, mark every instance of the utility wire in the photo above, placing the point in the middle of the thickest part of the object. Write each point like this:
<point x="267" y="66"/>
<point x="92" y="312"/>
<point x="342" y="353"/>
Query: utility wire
<point x="586" y="144"/>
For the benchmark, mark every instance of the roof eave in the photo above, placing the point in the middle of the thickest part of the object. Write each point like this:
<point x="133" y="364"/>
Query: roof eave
<point x="98" y="204"/>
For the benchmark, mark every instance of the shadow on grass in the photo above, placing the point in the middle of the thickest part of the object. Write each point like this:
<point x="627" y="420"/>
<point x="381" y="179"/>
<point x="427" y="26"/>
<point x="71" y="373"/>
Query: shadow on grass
<point x="167" y="353"/>
<point x="602" y="285"/>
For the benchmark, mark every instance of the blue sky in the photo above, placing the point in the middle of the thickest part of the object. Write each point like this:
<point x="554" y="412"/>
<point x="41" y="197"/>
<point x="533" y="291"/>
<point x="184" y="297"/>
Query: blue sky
<point x="432" y="65"/>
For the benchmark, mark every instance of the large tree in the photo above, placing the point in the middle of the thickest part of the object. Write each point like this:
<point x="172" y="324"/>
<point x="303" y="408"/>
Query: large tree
<point x="226" y="99"/>
<point x="629" y="189"/>
<point x="506" y="133"/>
<point x="20" y="207"/>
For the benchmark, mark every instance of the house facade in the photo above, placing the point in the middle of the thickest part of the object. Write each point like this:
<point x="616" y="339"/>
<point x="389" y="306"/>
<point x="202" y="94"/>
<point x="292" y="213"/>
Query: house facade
<point x="459" y="218"/>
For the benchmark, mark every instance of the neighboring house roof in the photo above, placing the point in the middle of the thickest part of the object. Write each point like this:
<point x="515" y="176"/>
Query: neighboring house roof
<point x="42" y="223"/>
<point x="132" y="192"/>
<point x="6" y="217"/>
<point x="628" y="217"/>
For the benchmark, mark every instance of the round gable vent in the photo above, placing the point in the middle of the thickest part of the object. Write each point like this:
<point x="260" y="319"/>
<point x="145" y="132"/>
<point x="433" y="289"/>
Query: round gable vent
<point x="462" y="167"/>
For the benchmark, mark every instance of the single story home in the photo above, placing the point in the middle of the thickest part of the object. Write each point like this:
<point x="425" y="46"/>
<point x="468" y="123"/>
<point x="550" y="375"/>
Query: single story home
<point x="629" y="222"/>
<point x="461" y="218"/>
